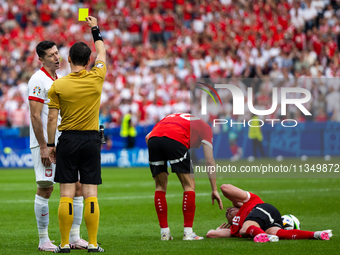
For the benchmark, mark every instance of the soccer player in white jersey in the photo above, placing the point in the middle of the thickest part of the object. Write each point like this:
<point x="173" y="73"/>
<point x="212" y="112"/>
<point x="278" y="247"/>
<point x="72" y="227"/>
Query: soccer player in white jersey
<point x="38" y="87"/>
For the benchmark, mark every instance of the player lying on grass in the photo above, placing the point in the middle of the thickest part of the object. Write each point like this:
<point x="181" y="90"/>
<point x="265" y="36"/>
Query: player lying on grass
<point x="251" y="217"/>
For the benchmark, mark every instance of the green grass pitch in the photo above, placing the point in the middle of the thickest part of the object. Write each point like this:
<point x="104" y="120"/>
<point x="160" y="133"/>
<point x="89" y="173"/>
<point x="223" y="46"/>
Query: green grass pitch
<point x="129" y="225"/>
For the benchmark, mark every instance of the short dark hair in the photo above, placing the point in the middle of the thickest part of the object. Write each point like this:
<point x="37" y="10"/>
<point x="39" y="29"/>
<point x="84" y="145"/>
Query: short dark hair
<point x="80" y="54"/>
<point x="43" y="46"/>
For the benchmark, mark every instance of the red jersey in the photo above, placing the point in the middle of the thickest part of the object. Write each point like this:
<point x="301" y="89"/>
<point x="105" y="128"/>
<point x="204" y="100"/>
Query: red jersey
<point x="168" y="4"/>
<point x="169" y="23"/>
<point x="242" y="214"/>
<point x="134" y="27"/>
<point x="184" y="128"/>
<point x="300" y="40"/>
<point x="331" y="47"/>
<point x="156" y="23"/>
<point x="45" y="13"/>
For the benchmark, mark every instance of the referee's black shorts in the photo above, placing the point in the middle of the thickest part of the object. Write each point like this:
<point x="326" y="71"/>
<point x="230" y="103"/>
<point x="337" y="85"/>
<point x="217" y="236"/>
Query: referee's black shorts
<point x="266" y="215"/>
<point x="78" y="151"/>
<point x="163" y="149"/>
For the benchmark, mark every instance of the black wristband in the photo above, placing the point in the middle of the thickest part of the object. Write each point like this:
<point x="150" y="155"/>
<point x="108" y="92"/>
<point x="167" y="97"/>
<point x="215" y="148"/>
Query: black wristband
<point x="96" y="34"/>
<point x="51" y="145"/>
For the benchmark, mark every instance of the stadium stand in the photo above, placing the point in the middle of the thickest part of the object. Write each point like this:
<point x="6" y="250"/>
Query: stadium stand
<point x="156" y="46"/>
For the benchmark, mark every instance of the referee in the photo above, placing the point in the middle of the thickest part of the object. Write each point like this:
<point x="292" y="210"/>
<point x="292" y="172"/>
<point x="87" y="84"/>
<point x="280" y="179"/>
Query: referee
<point x="77" y="97"/>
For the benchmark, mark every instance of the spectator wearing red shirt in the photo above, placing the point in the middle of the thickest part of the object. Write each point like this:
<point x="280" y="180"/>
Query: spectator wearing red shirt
<point x="11" y="12"/>
<point x="134" y="29"/>
<point x="168" y="4"/>
<point x="146" y="20"/>
<point x="287" y="44"/>
<point x="299" y="39"/>
<point x="156" y="27"/>
<point x="187" y="15"/>
<point x="283" y="18"/>
<point x="45" y="13"/>
<point x="152" y="4"/>
<point x="315" y="40"/>
<point x="331" y="46"/>
<point x="169" y="20"/>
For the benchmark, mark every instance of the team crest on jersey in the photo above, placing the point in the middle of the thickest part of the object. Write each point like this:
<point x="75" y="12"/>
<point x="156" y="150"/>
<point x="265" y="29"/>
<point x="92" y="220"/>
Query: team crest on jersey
<point x="48" y="172"/>
<point x="36" y="90"/>
<point x="99" y="65"/>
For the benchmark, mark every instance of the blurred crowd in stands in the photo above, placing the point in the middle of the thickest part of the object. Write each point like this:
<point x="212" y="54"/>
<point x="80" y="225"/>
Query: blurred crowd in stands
<point x="156" y="48"/>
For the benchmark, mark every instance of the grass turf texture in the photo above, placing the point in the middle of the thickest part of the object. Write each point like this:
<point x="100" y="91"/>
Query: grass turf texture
<point x="129" y="225"/>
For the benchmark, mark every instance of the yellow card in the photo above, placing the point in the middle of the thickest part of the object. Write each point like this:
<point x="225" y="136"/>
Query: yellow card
<point x="83" y="13"/>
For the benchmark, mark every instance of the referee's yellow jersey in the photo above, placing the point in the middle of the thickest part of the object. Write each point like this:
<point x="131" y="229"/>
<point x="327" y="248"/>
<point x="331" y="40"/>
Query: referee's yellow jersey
<point x="77" y="96"/>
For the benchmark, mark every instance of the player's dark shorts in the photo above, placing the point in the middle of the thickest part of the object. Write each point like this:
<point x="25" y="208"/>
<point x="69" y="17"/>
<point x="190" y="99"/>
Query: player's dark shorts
<point x="78" y="151"/>
<point x="266" y="215"/>
<point x="163" y="149"/>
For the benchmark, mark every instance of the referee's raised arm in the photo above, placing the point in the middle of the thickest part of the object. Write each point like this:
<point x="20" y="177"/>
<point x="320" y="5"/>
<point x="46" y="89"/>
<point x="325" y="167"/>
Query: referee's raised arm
<point x="97" y="37"/>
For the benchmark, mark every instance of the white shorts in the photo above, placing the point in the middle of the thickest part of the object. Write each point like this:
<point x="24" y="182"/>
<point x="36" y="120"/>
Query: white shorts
<point x="44" y="177"/>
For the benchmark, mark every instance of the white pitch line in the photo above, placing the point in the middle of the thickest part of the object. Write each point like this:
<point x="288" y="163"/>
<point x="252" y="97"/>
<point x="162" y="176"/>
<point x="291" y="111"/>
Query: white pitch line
<point x="180" y="195"/>
<point x="7" y="187"/>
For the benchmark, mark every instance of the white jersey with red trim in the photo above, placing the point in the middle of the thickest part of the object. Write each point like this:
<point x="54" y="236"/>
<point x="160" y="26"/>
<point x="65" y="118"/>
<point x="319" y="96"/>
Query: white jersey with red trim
<point x="37" y="90"/>
<point x="184" y="128"/>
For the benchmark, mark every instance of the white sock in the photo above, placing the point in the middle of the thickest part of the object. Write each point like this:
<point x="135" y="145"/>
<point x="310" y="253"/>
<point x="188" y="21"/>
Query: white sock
<point x="42" y="215"/>
<point x="188" y="230"/>
<point x="167" y="230"/>
<point x="78" y="216"/>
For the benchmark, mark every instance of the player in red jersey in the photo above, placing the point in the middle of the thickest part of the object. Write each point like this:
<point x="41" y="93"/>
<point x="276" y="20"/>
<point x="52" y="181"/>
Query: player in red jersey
<point x="170" y="141"/>
<point x="251" y="217"/>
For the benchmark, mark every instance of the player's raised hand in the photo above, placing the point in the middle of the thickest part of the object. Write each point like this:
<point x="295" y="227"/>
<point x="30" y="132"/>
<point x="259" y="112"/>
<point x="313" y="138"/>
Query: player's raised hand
<point x="215" y="195"/>
<point x="91" y="21"/>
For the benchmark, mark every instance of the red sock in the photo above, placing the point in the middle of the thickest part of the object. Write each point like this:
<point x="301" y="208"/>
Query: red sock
<point x="161" y="208"/>
<point x="294" y="234"/>
<point x="188" y="208"/>
<point x="253" y="231"/>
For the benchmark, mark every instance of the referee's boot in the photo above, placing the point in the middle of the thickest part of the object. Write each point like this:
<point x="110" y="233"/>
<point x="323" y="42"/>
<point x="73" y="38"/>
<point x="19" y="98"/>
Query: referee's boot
<point x="65" y="249"/>
<point x="92" y="248"/>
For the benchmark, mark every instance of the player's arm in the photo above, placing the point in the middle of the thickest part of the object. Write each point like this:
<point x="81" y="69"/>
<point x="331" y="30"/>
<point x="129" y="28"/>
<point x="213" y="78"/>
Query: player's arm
<point x="219" y="233"/>
<point x="98" y="40"/>
<point x="52" y="122"/>
<point x="36" y="109"/>
<point x="234" y="194"/>
<point x="209" y="159"/>
<point x="147" y="138"/>
<point x="222" y="231"/>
